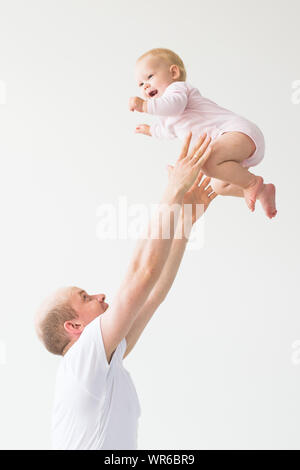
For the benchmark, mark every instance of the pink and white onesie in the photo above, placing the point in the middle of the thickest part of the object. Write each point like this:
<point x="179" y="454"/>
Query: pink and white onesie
<point x="182" y="109"/>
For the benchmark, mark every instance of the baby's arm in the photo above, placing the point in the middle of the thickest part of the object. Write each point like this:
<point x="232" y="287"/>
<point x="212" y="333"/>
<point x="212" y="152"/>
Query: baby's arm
<point x="143" y="129"/>
<point x="155" y="130"/>
<point x="172" y="103"/>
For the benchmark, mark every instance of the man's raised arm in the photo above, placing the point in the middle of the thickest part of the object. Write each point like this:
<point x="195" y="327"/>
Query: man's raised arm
<point x="199" y="196"/>
<point x="150" y="257"/>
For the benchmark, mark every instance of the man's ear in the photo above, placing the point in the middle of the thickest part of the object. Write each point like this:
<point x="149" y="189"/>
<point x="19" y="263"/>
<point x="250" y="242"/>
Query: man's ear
<point x="174" y="69"/>
<point x="73" y="327"/>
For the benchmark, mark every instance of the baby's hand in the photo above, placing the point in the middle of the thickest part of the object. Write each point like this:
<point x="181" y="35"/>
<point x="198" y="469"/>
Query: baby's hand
<point x="143" y="129"/>
<point x="137" y="104"/>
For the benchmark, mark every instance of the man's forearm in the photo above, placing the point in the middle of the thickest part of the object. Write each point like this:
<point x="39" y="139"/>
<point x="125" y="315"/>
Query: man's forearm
<point x="160" y="289"/>
<point x="171" y="266"/>
<point x="152" y="251"/>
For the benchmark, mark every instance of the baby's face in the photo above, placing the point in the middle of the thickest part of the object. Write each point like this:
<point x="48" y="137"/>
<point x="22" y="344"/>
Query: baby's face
<point x="153" y="76"/>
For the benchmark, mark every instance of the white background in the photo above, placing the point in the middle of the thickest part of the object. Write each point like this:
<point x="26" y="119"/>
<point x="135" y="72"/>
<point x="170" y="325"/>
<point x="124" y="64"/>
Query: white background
<point x="215" y="366"/>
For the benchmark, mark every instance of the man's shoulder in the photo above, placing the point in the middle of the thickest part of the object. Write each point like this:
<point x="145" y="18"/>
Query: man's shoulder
<point x="91" y="334"/>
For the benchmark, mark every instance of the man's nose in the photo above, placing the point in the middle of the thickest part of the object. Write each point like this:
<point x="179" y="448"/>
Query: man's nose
<point x="100" y="297"/>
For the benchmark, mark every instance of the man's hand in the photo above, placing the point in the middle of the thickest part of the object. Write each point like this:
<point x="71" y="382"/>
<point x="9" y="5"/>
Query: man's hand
<point x="200" y="193"/>
<point x="137" y="104"/>
<point x="188" y="166"/>
<point x="143" y="129"/>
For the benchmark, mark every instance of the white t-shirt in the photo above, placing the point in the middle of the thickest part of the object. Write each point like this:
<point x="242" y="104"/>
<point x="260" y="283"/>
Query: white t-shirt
<point x="96" y="405"/>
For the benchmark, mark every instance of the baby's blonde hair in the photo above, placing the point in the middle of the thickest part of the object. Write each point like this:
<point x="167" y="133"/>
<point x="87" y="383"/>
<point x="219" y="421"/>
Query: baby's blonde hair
<point x="169" y="56"/>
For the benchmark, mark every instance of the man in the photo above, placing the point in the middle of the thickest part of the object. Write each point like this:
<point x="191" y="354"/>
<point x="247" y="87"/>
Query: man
<point x="96" y="405"/>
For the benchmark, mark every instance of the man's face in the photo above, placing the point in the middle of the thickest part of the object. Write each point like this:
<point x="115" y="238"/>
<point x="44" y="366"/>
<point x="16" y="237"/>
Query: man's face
<point x="88" y="307"/>
<point x="153" y="76"/>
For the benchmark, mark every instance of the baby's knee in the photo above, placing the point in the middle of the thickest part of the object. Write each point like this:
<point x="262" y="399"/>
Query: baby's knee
<point x="208" y="168"/>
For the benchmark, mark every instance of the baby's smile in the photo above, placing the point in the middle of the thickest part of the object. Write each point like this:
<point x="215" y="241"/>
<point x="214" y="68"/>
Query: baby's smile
<point x="152" y="93"/>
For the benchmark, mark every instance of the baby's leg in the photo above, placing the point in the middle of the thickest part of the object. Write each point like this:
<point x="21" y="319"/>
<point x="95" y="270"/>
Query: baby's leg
<point x="226" y="189"/>
<point x="266" y="196"/>
<point x="228" y="152"/>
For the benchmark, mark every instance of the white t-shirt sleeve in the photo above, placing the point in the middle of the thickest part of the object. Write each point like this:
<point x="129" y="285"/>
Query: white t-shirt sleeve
<point x="87" y="358"/>
<point x="171" y="103"/>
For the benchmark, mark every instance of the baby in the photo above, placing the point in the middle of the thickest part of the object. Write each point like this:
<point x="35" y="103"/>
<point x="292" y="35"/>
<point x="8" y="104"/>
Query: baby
<point x="237" y="144"/>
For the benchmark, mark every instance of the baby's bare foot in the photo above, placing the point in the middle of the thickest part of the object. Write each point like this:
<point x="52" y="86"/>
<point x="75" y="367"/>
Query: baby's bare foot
<point x="267" y="200"/>
<point x="251" y="193"/>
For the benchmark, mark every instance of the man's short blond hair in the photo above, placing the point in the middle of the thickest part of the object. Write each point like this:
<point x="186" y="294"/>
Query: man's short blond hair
<point x="169" y="56"/>
<point x="50" y="319"/>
